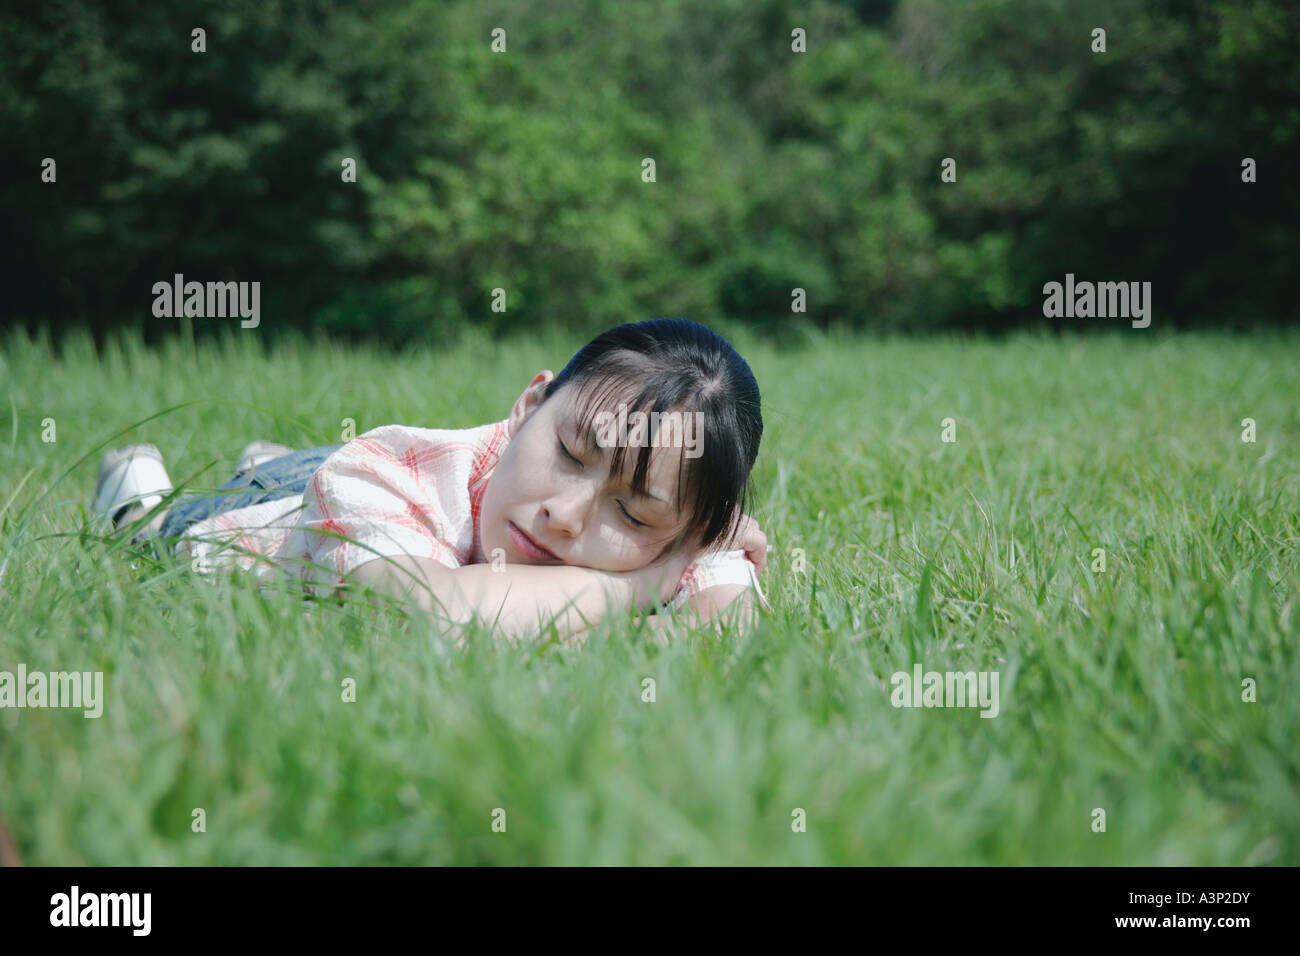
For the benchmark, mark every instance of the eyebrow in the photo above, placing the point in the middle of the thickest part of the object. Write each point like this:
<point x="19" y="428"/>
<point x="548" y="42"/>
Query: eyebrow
<point x="590" y="444"/>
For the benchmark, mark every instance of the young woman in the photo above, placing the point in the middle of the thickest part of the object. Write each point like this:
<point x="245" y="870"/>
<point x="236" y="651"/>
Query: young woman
<point x="618" y="486"/>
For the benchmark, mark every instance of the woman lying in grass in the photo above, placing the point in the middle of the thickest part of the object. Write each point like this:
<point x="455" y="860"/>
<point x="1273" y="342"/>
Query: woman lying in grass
<point x="542" y="517"/>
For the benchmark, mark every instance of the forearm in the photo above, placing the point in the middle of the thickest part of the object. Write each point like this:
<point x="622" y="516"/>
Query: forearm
<point x="520" y="600"/>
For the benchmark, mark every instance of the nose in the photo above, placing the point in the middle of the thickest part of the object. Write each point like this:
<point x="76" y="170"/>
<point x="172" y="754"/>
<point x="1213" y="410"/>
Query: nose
<point x="566" y="511"/>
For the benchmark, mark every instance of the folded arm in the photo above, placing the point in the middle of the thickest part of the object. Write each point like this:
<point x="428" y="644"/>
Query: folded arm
<point x="520" y="600"/>
<point x="524" y="600"/>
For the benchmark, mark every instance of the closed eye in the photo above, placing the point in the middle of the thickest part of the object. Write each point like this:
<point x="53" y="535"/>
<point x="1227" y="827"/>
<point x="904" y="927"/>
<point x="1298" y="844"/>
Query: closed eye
<point x="639" y="524"/>
<point x="566" y="454"/>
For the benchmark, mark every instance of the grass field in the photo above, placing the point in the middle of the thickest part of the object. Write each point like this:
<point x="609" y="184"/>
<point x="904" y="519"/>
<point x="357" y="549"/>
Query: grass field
<point x="1120" y="690"/>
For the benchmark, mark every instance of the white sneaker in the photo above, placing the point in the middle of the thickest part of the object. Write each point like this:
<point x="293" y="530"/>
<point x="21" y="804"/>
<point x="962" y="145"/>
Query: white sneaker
<point x="131" y="476"/>
<point x="259" y="451"/>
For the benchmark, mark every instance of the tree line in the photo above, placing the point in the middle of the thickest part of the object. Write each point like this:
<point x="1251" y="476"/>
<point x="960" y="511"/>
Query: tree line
<point x="382" y="171"/>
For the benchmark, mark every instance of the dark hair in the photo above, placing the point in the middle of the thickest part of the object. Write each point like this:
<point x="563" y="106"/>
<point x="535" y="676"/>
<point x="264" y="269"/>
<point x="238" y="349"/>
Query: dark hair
<point x="665" y="365"/>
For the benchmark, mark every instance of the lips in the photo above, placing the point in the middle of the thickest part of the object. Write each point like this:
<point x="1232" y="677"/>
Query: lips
<point x="530" y="547"/>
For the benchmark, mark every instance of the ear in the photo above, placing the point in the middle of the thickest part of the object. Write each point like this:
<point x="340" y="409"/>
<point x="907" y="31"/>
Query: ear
<point x="528" y="401"/>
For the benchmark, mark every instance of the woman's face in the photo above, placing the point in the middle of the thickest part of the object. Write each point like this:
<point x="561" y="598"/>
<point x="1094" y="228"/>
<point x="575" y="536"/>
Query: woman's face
<point x="575" y="510"/>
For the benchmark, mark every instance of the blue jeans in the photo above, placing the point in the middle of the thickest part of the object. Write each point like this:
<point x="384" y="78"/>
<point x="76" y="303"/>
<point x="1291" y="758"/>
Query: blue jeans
<point x="277" y="478"/>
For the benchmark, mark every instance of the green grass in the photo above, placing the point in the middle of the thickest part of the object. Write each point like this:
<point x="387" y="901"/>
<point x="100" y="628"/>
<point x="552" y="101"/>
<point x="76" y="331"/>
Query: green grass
<point x="1120" y="690"/>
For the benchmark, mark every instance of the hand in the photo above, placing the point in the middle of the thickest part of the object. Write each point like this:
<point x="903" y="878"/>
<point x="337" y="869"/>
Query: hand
<point x="656" y="583"/>
<point x="750" y="537"/>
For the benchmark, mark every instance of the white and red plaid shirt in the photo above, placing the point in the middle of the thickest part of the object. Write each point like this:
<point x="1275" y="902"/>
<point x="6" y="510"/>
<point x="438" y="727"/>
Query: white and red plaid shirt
<point x="396" y="489"/>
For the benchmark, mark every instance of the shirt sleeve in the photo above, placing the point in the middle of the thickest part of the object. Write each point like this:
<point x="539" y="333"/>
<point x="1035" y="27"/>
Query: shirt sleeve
<point x="387" y="492"/>
<point x="713" y="569"/>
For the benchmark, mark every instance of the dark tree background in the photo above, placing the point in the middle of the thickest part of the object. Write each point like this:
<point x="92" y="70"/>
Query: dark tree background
<point x="522" y="170"/>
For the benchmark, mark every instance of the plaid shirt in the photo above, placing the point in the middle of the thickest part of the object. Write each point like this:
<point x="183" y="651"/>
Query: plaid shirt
<point x="396" y="489"/>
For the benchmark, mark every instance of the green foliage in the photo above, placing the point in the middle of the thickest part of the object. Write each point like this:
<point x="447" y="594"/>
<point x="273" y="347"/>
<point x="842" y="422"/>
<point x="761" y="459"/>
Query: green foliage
<point x="522" y="170"/>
